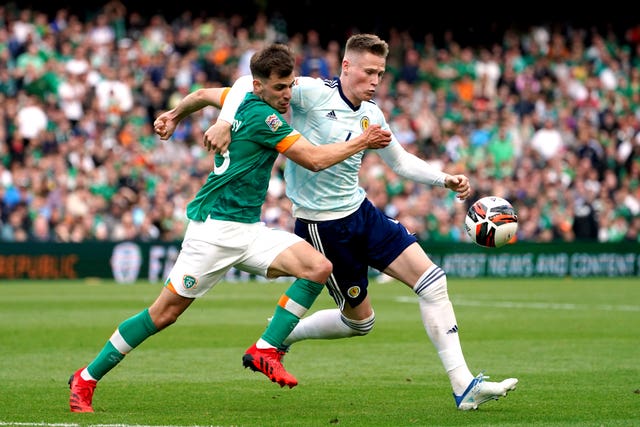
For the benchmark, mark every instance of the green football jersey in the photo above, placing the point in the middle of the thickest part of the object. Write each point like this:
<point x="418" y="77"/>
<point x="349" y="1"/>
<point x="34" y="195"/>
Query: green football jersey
<point x="237" y="187"/>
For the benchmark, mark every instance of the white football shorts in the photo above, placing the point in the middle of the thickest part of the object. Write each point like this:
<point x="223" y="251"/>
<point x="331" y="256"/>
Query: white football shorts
<point x="211" y="248"/>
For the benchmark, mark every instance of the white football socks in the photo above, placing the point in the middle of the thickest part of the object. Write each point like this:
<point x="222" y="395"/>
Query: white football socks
<point x="328" y="324"/>
<point x="439" y="321"/>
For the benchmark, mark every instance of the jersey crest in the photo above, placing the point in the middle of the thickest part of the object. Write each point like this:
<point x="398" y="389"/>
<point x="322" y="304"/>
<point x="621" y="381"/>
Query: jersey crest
<point x="364" y="123"/>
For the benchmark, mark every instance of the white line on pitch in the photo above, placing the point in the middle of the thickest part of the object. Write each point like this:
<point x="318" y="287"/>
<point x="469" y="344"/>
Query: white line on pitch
<point x="7" y="423"/>
<point x="533" y="305"/>
<point x="16" y="424"/>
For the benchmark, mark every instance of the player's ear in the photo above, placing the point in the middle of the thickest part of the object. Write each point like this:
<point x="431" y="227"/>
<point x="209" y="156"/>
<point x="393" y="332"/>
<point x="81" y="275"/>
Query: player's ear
<point x="345" y="65"/>
<point x="257" y="85"/>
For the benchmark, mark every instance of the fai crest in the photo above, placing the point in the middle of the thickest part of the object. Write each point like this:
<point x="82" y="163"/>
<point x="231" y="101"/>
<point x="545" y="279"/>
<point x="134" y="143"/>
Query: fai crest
<point x="189" y="282"/>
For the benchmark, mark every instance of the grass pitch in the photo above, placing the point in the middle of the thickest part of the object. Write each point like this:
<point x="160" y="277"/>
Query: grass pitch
<point x="573" y="344"/>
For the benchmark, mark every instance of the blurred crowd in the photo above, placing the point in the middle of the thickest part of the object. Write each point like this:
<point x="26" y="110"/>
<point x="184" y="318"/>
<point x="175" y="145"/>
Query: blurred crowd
<point x="547" y="117"/>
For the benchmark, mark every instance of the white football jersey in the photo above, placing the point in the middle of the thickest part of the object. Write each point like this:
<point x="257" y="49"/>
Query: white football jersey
<point x="321" y="113"/>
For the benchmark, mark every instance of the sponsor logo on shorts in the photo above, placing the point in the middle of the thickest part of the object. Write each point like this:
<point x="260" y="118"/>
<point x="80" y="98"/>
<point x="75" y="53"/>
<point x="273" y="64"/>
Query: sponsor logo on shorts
<point x="353" y="291"/>
<point x="189" y="282"/>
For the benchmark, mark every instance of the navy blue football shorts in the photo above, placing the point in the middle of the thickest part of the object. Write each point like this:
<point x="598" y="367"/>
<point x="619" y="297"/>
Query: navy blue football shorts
<point x="365" y="238"/>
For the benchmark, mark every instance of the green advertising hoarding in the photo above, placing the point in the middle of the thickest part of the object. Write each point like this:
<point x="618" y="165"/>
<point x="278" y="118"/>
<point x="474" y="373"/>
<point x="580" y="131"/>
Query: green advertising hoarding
<point x="127" y="262"/>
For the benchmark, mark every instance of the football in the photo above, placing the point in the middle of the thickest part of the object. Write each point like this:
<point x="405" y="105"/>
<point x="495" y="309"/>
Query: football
<point x="491" y="222"/>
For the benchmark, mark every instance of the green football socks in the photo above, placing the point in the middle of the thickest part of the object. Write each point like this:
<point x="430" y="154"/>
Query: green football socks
<point x="131" y="333"/>
<point x="293" y="305"/>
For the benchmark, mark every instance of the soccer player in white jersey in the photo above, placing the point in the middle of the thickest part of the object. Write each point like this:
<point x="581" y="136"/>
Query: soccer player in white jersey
<point x="333" y="213"/>
<point x="225" y="230"/>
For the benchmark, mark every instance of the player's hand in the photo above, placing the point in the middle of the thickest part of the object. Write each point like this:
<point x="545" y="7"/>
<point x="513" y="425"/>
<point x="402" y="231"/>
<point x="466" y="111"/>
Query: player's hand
<point x="460" y="184"/>
<point x="376" y="137"/>
<point x="218" y="137"/>
<point x="164" y="126"/>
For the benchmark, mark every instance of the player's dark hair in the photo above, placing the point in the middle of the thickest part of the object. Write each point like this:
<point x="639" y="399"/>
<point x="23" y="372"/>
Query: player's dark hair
<point x="360" y="43"/>
<point x="275" y="59"/>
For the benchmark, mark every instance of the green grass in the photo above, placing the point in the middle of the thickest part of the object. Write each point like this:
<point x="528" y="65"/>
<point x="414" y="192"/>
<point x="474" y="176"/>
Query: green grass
<point x="573" y="344"/>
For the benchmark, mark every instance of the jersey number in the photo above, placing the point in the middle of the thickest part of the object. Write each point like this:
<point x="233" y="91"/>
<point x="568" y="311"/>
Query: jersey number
<point x="219" y="170"/>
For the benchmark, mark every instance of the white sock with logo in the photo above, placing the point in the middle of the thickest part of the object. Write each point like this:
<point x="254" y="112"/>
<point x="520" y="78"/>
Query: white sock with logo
<point x="440" y="323"/>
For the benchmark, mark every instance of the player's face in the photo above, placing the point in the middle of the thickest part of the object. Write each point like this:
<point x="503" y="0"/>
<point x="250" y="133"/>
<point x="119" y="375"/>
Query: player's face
<point x="275" y="91"/>
<point x="361" y="75"/>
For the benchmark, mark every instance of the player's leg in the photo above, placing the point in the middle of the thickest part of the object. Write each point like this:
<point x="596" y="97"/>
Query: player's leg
<point x="414" y="268"/>
<point x="274" y="254"/>
<point x="395" y="251"/>
<point x="196" y="270"/>
<point x="342" y="241"/>
<point x="127" y="336"/>
<point x="430" y="284"/>
<point x="334" y="323"/>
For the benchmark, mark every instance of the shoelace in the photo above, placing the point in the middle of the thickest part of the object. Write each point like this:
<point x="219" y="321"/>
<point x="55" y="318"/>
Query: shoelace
<point x="481" y="376"/>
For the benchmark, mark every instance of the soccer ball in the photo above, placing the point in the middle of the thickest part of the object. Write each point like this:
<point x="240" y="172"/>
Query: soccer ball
<point x="491" y="222"/>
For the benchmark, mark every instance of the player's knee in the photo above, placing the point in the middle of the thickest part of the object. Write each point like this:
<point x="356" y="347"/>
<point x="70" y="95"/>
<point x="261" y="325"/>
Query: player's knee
<point x="164" y="318"/>
<point x="360" y="327"/>
<point x="320" y="270"/>
<point x="432" y="286"/>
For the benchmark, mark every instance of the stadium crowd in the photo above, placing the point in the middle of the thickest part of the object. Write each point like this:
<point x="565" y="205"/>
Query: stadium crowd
<point x="548" y="118"/>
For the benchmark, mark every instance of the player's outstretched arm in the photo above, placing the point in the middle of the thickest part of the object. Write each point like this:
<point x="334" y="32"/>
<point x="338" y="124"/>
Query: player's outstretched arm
<point x="319" y="157"/>
<point x="165" y="124"/>
<point x="412" y="167"/>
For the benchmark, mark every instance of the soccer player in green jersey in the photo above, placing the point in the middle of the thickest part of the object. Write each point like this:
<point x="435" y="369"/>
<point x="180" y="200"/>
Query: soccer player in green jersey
<point x="225" y="230"/>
